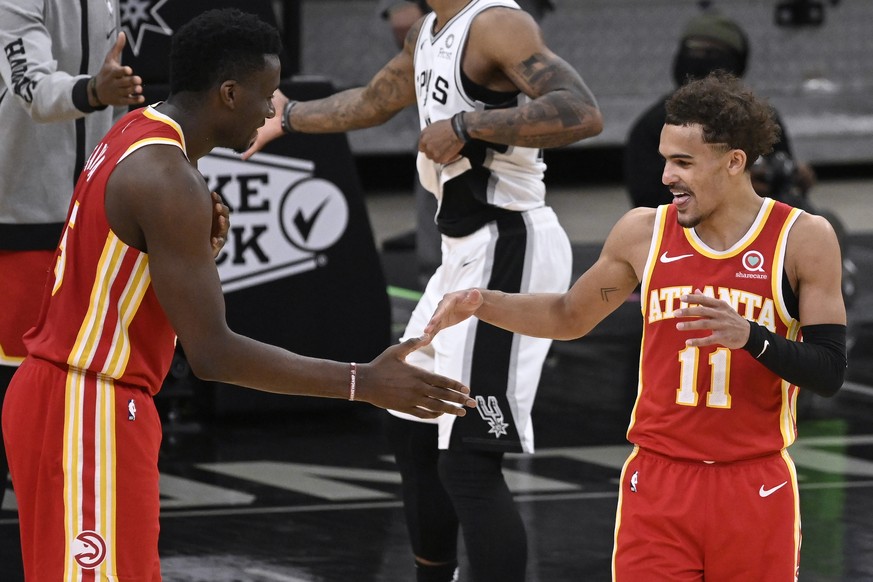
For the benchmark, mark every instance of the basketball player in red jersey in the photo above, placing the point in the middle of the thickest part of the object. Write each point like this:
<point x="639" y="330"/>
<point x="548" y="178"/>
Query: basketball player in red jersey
<point x="135" y="269"/>
<point x="730" y="282"/>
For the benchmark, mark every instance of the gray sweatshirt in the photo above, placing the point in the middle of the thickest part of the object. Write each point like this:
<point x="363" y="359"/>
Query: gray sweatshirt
<point x="47" y="129"/>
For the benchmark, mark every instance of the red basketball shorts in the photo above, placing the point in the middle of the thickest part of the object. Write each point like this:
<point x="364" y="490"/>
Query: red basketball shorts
<point x="23" y="277"/>
<point x="83" y="454"/>
<point x="682" y="521"/>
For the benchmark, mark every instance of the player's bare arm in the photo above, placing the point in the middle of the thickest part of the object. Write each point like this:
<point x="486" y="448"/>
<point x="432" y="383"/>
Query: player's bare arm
<point x="607" y="284"/>
<point x="506" y="52"/>
<point x="172" y="220"/>
<point x="814" y="265"/>
<point x="390" y="90"/>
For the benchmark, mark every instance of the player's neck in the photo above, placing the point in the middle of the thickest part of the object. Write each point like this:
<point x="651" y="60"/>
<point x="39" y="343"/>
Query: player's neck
<point x="446" y="9"/>
<point x="730" y="222"/>
<point x="188" y="115"/>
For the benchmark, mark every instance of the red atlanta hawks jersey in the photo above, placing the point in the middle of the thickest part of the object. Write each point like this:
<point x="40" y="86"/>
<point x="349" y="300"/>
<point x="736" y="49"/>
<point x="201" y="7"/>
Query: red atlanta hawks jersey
<point x="99" y="312"/>
<point x="712" y="403"/>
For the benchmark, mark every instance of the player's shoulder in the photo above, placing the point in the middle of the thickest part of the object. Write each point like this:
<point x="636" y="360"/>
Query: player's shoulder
<point x="812" y="238"/>
<point x="413" y="34"/>
<point x="811" y="228"/>
<point x="633" y="231"/>
<point x="641" y="217"/>
<point x="158" y="167"/>
<point x="810" y="220"/>
<point x="505" y="15"/>
<point x="504" y="34"/>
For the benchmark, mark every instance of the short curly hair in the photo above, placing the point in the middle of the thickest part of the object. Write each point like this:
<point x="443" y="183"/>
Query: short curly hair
<point x="218" y="45"/>
<point x="729" y="113"/>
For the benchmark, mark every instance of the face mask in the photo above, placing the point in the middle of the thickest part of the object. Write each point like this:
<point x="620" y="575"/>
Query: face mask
<point x="696" y="63"/>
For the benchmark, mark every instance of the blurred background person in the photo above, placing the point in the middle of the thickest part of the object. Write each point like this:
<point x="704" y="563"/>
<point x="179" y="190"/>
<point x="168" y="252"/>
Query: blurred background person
<point x="710" y="41"/>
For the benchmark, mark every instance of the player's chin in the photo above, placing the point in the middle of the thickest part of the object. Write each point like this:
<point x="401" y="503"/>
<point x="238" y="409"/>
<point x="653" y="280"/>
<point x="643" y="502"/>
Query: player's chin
<point x="241" y="149"/>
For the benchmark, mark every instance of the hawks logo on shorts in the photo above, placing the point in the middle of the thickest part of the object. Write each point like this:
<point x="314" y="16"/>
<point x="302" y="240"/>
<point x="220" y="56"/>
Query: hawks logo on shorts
<point x="89" y="549"/>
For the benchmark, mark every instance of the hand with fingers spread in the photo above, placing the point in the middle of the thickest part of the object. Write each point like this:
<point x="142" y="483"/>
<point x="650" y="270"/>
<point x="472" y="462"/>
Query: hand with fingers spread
<point x="220" y="223"/>
<point x="389" y="382"/>
<point x="729" y="328"/>
<point x="115" y="84"/>
<point x="452" y="309"/>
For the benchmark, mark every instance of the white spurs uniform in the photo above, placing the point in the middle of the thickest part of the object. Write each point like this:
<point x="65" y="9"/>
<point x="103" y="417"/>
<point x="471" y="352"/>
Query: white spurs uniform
<point x="497" y="233"/>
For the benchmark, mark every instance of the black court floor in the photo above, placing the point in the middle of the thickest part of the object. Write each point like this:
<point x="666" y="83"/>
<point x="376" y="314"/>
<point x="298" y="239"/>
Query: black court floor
<point x="310" y="493"/>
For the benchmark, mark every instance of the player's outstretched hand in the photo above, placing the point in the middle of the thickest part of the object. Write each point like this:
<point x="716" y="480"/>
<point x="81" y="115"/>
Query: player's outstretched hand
<point x="389" y="382"/>
<point x="729" y="328"/>
<point x="272" y="127"/>
<point x="115" y="84"/>
<point x="453" y="308"/>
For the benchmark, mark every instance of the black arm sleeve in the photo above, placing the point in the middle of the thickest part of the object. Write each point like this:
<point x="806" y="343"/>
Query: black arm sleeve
<point x="818" y="363"/>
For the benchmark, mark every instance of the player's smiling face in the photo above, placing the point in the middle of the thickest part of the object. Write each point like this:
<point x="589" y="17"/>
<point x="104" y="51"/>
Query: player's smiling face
<point x="695" y="172"/>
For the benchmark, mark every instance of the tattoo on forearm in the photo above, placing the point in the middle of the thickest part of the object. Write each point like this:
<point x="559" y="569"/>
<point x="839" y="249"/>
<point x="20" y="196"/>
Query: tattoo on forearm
<point x="564" y="111"/>
<point x="359" y="107"/>
<point x="605" y="291"/>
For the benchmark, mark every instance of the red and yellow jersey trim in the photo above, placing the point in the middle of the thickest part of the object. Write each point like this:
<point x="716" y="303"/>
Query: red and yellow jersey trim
<point x="93" y="332"/>
<point x="741" y="245"/>
<point x="81" y="458"/>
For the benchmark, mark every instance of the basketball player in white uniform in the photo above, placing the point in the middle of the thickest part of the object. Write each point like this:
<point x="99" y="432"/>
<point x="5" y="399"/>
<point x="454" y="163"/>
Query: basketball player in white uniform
<point x="490" y="95"/>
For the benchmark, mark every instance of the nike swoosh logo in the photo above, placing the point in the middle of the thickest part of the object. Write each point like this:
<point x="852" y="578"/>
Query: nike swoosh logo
<point x="768" y="492"/>
<point x="764" y="349"/>
<point x="666" y="259"/>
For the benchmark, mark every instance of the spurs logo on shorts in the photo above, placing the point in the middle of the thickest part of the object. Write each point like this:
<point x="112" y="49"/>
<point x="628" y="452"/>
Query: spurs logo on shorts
<point x="491" y="413"/>
<point x="89" y="549"/>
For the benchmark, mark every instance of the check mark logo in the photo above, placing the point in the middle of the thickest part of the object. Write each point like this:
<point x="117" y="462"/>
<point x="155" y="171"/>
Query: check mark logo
<point x="305" y="223"/>
<point x="666" y="259"/>
<point x="768" y="492"/>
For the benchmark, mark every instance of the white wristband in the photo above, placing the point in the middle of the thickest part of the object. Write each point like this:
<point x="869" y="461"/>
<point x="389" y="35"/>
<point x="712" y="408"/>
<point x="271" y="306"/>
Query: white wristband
<point x="353" y="379"/>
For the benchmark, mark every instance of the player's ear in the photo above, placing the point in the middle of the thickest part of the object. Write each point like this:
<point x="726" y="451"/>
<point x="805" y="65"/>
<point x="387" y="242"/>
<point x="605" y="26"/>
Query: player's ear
<point x="736" y="163"/>
<point x="228" y="93"/>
